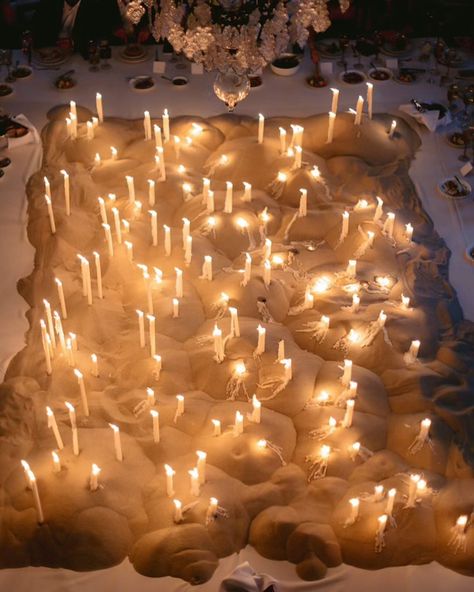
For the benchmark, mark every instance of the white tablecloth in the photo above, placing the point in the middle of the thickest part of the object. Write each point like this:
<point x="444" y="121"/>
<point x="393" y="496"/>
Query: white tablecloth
<point x="277" y="96"/>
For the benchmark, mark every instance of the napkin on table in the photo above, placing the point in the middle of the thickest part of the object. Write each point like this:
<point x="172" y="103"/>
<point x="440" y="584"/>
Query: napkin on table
<point x="245" y="579"/>
<point x="32" y="137"/>
<point x="427" y="118"/>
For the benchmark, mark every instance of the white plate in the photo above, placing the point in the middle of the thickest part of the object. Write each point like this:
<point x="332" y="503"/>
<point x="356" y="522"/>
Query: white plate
<point x="141" y="90"/>
<point x="285" y="71"/>
<point x="454" y="197"/>
<point x="341" y="77"/>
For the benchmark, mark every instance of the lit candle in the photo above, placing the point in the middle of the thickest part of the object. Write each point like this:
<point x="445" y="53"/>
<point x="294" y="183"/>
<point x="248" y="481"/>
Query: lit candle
<point x="371" y="238"/>
<point x="117" y="225"/>
<point x="131" y="188"/>
<point x="52" y="424"/>
<point x="94" y="477"/>
<point x="390" y="501"/>
<point x="355" y="302"/>
<point x="345" y="225"/>
<point x="331" y="123"/>
<point x="247" y="196"/>
<point x="62" y="300"/>
<point x="49" y="318"/>
<point x="379" y="535"/>
<point x="177" y="146"/>
<point x="166" y="125"/>
<point x="257" y="410"/>
<point x="282" y="140"/>
<point x="405" y="302"/>
<point x="36" y="498"/>
<point x="175" y="308"/>
<point x="169" y="480"/>
<point x="90" y="130"/>
<point x="108" y="238"/>
<point x="391" y="131"/>
<point x="347" y="372"/>
<point x="412" y="486"/>
<point x="147" y="125"/>
<point x="188" y="252"/>
<point x="47" y="187"/>
<point x="178" y="513"/>
<point x="117" y="442"/>
<point x="207" y="268"/>
<point x="234" y="322"/>
<point x="381" y="318"/>
<point x="82" y="389"/>
<point x="351" y="268"/>
<point x="47" y="347"/>
<point x="195" y="488"/>
<point x="378" y="493"/>
<point x="56" y="462"/>
<point x="114" y="153"/>
<point x="387" y="227"/>
<point x="103" y="211"/>
<point x="370" y="99"/>
<point x="298" y="157"/>
<point x="67" y="192"/>
<point x="152" y="333"/>
<point x="216" y="427"/>
<point x="379" y="209"/>
<point x="354" y="503"/>
<point x="201" y="466"/>
<point x="218" y="344"/>
<point x="412" y="353"/>
<point x="247" y="269"/>
<point x="281" y="350"/>
<point x="228" y="198"/>
<point x="261" y="127"/>
<point x="261" y="340"/>
<point x="238" y="424"/>
<point x="206" y="185"/>
<point x="180" y="405"/>
<point x="179" y="282"/>
<point x="154" y="227"/>
<point x="287" y="364"/>
<point x="167" y="240"/>
<point x="335" y="99"/>
<point x="211" y="509"/>
<point x="297" y="138"/>
<point x="99" y="107"/>
<point x="49" y="206"/>
<point x="186" y="231"/>
<point x="349" y="414"/>
<point x="408" y="232"/>
<point x="73" y="119"/>
<point x="158" y="138"/>
<point x="156" y="425"/>
<point x="129" y="247"/>
<point x="359" y="109"/>
<point x="99" y="274"/>
<point x="68" y="127"/>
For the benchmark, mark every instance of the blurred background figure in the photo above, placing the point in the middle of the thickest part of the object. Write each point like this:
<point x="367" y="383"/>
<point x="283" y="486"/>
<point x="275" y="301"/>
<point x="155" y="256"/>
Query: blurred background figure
<point x="73" y="23"/>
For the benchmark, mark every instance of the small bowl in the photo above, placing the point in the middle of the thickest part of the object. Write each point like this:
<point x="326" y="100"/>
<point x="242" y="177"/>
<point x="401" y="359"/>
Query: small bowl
<point x="384" y="71"/>
<point x="25" y="72"/>
<point x="314" y="82"/>
<point x="134" y="81"/>
<point x="6" y="90"/>
<point x="73" y="82"/>
<point x="453" y="144"/>
<point x="280" y="69"/>
<point x="361" y="77"/>
<point x="179" y="80"/>
<point x="469" y="254"/>
<point x="443" y="192"/>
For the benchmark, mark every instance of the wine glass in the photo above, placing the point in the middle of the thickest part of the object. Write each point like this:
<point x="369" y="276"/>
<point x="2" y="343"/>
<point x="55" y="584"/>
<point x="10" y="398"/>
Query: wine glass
<point x="231" y="88"/>
<point x="105" y="53"/>
<point x="343" y="44"/>
<point x="94" y="56"/>
<point x="358" y="65"/>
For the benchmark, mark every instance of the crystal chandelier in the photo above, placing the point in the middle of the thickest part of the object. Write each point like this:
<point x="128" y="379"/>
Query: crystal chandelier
<point x="234" y="37"/>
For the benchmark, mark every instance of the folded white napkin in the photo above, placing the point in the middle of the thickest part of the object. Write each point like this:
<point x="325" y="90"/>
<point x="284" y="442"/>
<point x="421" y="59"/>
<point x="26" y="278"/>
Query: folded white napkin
<point x="245" y="579"/>
<point x="428" y="118"/>
<point x="32" y="137"/>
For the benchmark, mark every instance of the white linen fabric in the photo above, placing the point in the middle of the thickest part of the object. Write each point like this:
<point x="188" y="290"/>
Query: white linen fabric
<point x="278" y="96"/>
<point x="69" y="18"/>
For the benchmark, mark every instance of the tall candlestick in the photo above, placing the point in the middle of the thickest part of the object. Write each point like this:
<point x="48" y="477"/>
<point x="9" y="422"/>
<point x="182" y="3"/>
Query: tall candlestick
<point x="345" y="225"/>
<point x="103" y="211"/>
<point x="67" y="192"/>
<point x="359" y="109"/>
<point x="218" y="344"/>
<point x="47" y="187"/>
<point x="36" y="497"/>
<point x="82" y="389"/>
<point x="98" y="270"/>
<point x="52" y="424"/>
<point x="99" y="107"/>
<point x="389" y="224"/>
<point x="247" y="269"/>
<point x="175" y="308"/>
<point x="207" y="268"/>
<point x="169" y="480"/>
<point x="62" y="300"/>
<point x="354" y="503"/>
<point x="201" y="466"/>
<point x="379" y="209"/>
<point x="166" y="125"/>
<point x="282" y="132"/>
<point x="370" y="93"/>
<point x="238" y="424"/>
<point x="156" y="425"/>
<point x="347" y="373"/>
<point x="108" y="238"/>
<point x="158" y="138"/>
<point x="186" y="231"/>
<point x="179" y="282"/>
<point x="217" y="427"/>
<point x="267" y="273"/>
<point x="94" y="477"/>
<point x="331" y="123"/>
<point x="234" y="322"/>
<point x="349" y="414"/>
<point x="261" y="340"/>
<point x="392" y="128"/>
<point x="228" y="198"/>
<point x="412" y="486"/>
<point x="49" y="206"/>
<point x="390" y="501"/>
<point x="257" y="410"/>
<point x="188" y="252"/>
<point x="180" y="405"/>
<point x="351" y="268"/>
<point x="195" y="488"/>
<point x="152" y="334"/>
<point x="154" y="227"/>
<point x="56" y="462"/>
<point x="117" y="225"/>
<point x="131" y="188"/>
<point x="206" y="185"/>
<point x="261" y="127"/>
<point x="147" y="125"/>
<point x="408" y="232"/>
<point x="178" y="512"/>
<point x="90" y="130"/>
<point x="117" y="442"/>
<point x="298" y="157"/>
<point x="211" y="509"/>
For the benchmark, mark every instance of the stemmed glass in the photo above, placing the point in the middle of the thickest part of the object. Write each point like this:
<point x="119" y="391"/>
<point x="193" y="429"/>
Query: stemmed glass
<point x="105" y="53"/>
<point x="343" y="44"/>
<point x="468" y="137"/>
<point x="358" y="65"/>
<point x="94" y="56"/>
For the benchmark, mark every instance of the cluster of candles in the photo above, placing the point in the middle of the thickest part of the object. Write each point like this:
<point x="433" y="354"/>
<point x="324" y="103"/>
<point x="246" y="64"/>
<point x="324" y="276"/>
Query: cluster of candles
<point x="52" y="330"/>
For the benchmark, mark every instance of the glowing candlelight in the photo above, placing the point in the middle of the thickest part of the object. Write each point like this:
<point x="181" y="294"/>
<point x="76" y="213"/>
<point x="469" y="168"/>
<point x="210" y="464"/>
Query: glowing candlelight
<point x="298" y="157"/>
<point x="117" y="442"/>
<point x="349" y="414"/>
<point x="405" y="302"/>
<point x="179" y="282"/>
<point x="36" y="497"/>
<point x="238" y="424"/>
<point x="234" y="322"/>
<point x="412" y="353"/>
<point x="354" y="503"/>
<point x="52" y="424"/>
<point x="379" y="209"/>
<point x="303" y="207"/>
<point x="390" y="501"/>
<point x="247" y="269"/>
<point x="331" y="123"/>
<point x="261" y="127"/>
<point x="156" y="425"/>
<point x="99" y="107"/>
<point x="351" y="268"/>
<point x="282" y="132"/>
<point x="216" y="427"/>
<point x="412" y="487"/>
<point x="388" y="225"/>
<point x="108" y="238"/>
<point x="379" y="535"/>
<point x="218" y="344"/>
<point x="169" y="480"/>
<point x="82" y="388"/>
<point x="158" y="138"/>
<point x="408" y="232"/>
<point x="131" y="188"/>
<point x="195" y="488"/>
<point x="391" y="131"/>
<point x="228" y="197"/>
<point x="186" y="231"/>
<point x="180" y="405"/>
<point x="94" y="477"/>
<point x="152" y="333"/>
<point x="178" y="513"/>
<point x="201" y="466"/>
<point x="62" y="300"/>
<point x="267" y="272"/>
<point x="154" y="227"/>
<point x="347" y="373"/>
<point x="175" y="308"/>
<point x="287" y="364"/>
<point x="211" y="509"/>
<point x="67" y="192"/>
<point x="94" y="365"/>
<point x="188" y="252"/>
<point x="166" y="125"/>
<point x="370" y="98"/>
<point x="261" y="340"/>
<point x="49" y="206"/>
<point x="147" y="125"/>
<point x="359" y="110"/>
<point x="56" y="462"/>
<point x="345" y="225"/>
